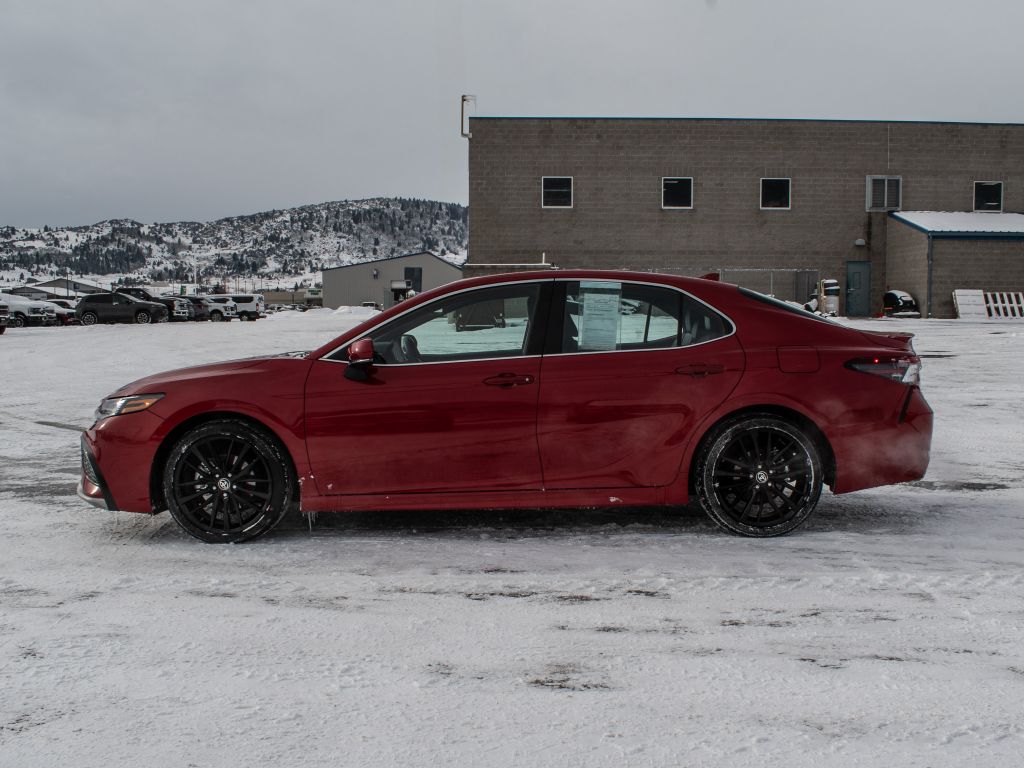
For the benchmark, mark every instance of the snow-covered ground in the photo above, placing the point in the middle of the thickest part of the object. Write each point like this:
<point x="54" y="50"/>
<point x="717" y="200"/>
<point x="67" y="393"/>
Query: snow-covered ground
<point x="888" y="631"/>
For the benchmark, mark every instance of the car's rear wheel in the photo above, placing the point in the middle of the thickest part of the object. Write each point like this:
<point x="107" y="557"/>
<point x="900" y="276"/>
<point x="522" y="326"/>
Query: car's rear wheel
<point x="143" y="318"/>
<point x="89" y="318"/>
<point x="226" y="481"/>
<point x="759" y="475"/>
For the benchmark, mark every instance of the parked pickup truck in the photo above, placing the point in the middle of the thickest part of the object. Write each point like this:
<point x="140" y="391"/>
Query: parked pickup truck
<point x="177" y="308"/>
<point x="28" y="312"/>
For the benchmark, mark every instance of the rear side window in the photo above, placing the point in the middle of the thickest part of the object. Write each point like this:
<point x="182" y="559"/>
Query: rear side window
<point x="243" y="299"/>
<point x="105" y="298"/>
<point x="783" y="305"/>
<point x="609" y="316"/>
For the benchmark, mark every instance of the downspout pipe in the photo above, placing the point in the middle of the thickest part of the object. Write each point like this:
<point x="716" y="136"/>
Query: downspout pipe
<point x="929" y="305"/>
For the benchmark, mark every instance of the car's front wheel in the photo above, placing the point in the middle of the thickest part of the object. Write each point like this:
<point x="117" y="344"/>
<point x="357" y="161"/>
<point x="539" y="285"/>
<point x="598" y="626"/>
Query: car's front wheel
<point x="216" y="316"/>
<point x="759" y="475"/>
<point x="143" y="318"/>
<point x="89" y="318"/>
<point x="227" y="481"/>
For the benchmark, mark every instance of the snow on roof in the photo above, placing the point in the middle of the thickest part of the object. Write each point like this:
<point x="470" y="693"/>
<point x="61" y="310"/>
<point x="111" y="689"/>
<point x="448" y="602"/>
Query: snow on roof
<point x="981" y="223"/>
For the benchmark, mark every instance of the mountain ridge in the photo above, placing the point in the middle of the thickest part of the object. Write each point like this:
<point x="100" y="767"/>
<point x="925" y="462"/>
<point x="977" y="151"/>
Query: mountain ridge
<point x="276" y="244"/>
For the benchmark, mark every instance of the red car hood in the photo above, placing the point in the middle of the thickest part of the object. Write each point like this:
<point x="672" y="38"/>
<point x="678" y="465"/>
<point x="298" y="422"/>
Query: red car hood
<point x="160" y="381"/>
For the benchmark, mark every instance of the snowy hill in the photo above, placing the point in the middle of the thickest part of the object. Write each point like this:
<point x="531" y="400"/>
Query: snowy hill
<point x="282" y="245"/>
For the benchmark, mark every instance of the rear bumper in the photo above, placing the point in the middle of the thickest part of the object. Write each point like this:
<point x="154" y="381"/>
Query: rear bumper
<point x="894" y="453"/>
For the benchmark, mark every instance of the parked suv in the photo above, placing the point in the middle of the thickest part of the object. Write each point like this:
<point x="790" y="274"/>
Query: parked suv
<point x="177" y="308"/>
<point x="119" y="308"/>
<point x="5" y="315"/>
<point x="28" y="312"/>
<point x="65" y="310"/>
<point x="224" y="308"/>
<point x="250" y="306"/>
<point x="200" y="306"/>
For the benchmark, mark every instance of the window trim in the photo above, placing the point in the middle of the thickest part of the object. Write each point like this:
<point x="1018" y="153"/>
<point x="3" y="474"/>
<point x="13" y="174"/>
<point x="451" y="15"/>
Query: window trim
<point x="867" y="193"/>
<point x="676" y="207"/>
<point x="760" y="189"/>
<point x="555" y="301"/>
<point x="329" y="357"/>
<point x="974" y="196"/>
<point x="572" y="193"/>
<point x="558" y="302"/>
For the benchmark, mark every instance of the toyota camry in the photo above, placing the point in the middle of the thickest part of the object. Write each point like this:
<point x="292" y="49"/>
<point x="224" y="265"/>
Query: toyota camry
<point x="535" y="389"/>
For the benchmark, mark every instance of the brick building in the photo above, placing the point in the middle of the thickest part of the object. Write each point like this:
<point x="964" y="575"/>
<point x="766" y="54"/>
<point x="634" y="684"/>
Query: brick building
<point x="772" y="204"/>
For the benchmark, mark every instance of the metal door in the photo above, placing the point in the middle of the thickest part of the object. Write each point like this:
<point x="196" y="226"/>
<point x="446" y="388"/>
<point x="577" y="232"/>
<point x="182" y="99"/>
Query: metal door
<point x="858" y="288"/>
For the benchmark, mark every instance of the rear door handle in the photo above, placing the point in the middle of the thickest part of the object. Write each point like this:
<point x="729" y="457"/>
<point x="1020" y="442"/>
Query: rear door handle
<point x="700" y="369"/>
<point x="508" y="380"/>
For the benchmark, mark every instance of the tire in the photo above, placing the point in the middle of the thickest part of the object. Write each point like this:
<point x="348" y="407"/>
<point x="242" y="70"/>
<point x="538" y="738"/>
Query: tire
<point x="216" y="317"/>
<point x="226" y="481"/>
<point x="244" y="317"/>
<point x="143" y="318"/>
<point x="3" y="330"/>
<point x="89" y="318"/>
<point x="759" y="475"/>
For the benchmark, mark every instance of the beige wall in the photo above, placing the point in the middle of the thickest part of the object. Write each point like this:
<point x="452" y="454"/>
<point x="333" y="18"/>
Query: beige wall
<point x="985" y="263"/>
<point x="352" y="285"/>
<point x="617" y="220"/>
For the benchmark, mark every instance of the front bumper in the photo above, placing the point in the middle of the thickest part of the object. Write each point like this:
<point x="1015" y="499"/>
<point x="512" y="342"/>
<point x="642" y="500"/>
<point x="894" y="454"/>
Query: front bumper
<point x="91" y="485"/>
<point x="117" y="454"/>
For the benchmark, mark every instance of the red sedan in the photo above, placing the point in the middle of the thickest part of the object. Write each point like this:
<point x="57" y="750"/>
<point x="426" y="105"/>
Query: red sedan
<point x="542" y="389"/>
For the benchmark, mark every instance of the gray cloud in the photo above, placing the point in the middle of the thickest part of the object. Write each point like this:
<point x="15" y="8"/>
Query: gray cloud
<point x="194" y="110"/>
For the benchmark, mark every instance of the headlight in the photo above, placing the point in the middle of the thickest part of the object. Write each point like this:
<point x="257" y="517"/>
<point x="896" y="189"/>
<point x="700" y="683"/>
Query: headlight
<point x="118" y="406"/>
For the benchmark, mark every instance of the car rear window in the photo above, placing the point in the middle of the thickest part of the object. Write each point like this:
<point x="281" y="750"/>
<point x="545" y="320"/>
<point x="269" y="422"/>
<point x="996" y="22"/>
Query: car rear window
<point x="785" y="306"/>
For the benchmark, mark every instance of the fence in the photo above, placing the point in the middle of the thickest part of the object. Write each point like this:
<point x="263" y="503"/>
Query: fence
<point x="995" y="305"/>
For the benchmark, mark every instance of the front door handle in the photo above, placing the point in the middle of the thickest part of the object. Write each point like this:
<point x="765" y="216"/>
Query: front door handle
<point x="700" y="369"/>
<point x="508" y="380"/>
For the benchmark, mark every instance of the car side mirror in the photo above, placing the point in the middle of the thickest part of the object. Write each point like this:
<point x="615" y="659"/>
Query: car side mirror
<point x="360" y="360"/>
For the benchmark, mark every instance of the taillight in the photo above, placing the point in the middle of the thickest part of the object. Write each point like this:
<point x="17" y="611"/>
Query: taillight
<point x="905" y="369"/>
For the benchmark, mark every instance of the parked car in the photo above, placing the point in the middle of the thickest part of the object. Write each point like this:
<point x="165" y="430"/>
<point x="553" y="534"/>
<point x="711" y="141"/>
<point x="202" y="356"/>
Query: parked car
<point x="118" y="308"/>
<point x="28" y="312"/>
<point x="222" y="308"/>
<point x="707" y="390"/>
<point x="249" y="306"/>
<point x="200" y="307"/>
<point x="178" y="307"/>
<point x="64" y="309"/>
<point x="899" y="304"/>
<point x="5" y="316"/>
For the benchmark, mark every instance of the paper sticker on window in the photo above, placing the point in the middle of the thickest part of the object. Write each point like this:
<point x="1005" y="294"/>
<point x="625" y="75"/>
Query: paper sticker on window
<point x="599" y="315"/>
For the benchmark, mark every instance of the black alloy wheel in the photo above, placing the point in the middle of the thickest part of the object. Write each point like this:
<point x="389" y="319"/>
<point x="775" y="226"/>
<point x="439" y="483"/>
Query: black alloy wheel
<point x="226" y="481"/>
<point x="759" y="475"/>
<point x="89" y="318"/>
<point x="17" y="320"/>
<point x="143" y="318"/>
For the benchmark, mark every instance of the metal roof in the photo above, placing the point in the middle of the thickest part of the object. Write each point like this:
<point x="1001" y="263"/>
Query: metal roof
<point x="965" y="224"/>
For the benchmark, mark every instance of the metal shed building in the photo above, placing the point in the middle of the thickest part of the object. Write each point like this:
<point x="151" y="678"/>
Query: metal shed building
<point x="385" y="281"/>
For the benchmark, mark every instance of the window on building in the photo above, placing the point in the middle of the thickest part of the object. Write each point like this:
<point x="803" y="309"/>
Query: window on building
<point x="677" y="192"/>
<point x="884" y="193"/>
<point x="556" y="191"/>
<point x="775" y="194"/>
<point x="988" y="195"/>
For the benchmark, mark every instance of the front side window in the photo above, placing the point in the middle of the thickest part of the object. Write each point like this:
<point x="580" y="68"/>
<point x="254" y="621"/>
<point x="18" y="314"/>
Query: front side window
<point x="988" y="195"/>
<point x="475" y="325"/>
<point x="608" y="316"/>
<point x="775" y="194"/>
<point x="556" y="191"/>
<point x="677" y="192"/>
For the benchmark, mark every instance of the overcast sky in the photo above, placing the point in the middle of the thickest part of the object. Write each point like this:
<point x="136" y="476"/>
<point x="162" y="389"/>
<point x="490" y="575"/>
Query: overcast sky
<point x="171" y="110"/>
